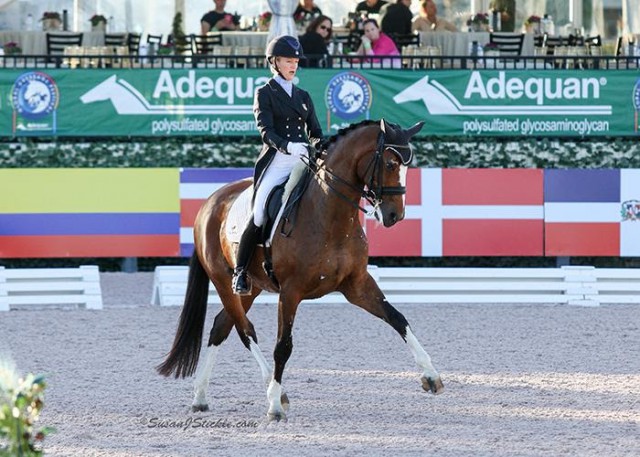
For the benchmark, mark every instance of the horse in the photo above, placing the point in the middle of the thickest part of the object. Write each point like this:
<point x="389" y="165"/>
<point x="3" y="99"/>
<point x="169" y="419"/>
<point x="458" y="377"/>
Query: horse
<point x="325" y="251"/>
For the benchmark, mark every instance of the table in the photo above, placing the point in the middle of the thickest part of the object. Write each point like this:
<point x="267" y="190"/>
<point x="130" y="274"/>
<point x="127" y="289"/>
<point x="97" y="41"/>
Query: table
<point x="251" y="39"/>
<point x="34" y="43"/>
<point x="457" y="43"/>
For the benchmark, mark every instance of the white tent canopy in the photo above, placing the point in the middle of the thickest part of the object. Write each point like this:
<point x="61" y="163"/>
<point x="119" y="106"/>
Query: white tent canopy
<point x="156" y="16"/>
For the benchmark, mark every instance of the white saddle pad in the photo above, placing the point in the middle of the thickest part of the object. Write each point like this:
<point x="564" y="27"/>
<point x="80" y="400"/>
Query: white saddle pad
<point x="241" y="209"/>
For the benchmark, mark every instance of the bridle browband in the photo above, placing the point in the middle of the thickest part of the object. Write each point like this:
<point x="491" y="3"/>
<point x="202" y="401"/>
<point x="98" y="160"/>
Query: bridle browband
<point x="374" y="191"/>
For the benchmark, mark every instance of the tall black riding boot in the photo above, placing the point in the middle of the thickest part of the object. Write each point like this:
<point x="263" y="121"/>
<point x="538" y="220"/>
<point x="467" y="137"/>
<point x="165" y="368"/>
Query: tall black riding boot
<point x="248" y="242"/>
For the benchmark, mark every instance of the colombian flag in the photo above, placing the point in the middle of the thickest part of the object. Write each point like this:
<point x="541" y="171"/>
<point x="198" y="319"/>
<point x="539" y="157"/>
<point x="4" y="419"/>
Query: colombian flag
<point x="109" y="212"/>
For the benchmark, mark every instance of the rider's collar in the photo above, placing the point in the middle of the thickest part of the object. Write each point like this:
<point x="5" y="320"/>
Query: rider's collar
<point x="286" y="85"/>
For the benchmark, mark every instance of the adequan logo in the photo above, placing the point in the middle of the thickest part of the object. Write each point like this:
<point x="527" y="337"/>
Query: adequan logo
<point x="127" y="100"/>
<point x="440" y="101"/>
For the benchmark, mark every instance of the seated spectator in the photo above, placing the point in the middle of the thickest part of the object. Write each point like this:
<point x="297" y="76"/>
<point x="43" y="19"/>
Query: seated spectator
<point x="306" y="11"/>
<point x="427" y="20"/>
<point x="218" y="19"/>
<point x="395" y="18"/>
<point x="370" y="6"/>
<point x="314" y="41"/>
<point x="377" y="43"/>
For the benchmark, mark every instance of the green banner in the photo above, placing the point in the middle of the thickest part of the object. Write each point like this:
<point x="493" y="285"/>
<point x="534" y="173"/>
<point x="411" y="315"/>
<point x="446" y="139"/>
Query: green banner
<point x="170" y="102"/>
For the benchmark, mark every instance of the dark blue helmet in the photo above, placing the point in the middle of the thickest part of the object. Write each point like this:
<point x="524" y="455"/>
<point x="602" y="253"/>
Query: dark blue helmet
<point x="284" y="46"/>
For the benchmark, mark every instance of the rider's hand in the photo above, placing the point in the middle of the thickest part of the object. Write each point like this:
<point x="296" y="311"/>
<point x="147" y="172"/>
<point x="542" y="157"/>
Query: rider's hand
<point x="298" y="149"/>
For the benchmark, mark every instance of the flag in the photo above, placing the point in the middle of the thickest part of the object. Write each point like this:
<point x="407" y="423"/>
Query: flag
<point x="592" y="212"/>
<point x="196" y="185"/>
<point x="467" y="212"/>
<point x="108" y="212"/>
<point x="582" y="212"/>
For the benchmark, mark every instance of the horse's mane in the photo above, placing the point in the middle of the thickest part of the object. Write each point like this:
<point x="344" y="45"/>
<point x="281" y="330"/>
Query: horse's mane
<point x="326" y="143"/>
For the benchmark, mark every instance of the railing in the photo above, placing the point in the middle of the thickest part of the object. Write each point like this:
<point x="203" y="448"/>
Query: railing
<point x="407" y="62"/>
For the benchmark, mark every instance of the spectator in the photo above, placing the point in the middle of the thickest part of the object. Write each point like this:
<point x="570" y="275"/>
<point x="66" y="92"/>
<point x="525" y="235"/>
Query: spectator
<point x="315" y="39"/>
<point x="306" y="11"/>
<point x="395" y="18"/>
<point x="370" y="6"/>
<point x="377" y="43"/>
<point x="218" y="19"/>
<point x="427" y="20"/>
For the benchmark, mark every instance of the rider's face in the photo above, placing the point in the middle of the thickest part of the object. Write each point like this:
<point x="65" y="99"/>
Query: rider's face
<point x="287" y="66"/>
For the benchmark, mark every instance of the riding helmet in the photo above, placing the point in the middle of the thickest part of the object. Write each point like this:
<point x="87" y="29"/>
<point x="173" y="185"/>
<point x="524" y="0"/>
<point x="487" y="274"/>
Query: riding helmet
<point x="284" y="46"/>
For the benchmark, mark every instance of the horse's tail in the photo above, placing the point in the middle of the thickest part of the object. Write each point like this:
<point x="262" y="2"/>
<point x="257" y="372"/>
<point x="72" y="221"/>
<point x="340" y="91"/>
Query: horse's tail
<point x="183" y="357"/>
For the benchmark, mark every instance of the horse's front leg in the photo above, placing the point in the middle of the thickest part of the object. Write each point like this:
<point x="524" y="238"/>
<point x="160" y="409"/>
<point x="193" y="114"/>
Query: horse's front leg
<point x="366" y="294"/>
<point x="284" y="346"/>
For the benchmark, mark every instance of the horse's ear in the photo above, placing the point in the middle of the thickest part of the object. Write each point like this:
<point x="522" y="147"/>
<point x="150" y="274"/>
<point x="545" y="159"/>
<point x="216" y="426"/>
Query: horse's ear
<point x="415" y="129"/>
<point x="383" y="125"/>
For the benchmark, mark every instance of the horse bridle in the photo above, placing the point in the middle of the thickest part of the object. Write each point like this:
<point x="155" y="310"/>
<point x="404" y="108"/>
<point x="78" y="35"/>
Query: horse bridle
<point x="374" y="191"/>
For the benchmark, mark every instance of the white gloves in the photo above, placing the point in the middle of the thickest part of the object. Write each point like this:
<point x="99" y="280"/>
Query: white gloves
<point x="298" y="149"/>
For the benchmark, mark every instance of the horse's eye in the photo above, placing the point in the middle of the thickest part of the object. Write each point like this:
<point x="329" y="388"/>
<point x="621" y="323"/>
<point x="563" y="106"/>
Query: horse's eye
<point x="391" y="165"/>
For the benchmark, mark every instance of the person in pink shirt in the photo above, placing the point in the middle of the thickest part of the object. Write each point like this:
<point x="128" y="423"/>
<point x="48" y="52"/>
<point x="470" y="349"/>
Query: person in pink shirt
<point x="377" y="43"/>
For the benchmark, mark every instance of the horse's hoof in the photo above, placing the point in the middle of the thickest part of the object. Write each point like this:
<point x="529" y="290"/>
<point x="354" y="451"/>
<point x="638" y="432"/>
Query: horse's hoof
<point x="199" y="408"/>
<point x="284" y="400"/>
<point x="277" y="416"/>
<point x="432" y="385"/>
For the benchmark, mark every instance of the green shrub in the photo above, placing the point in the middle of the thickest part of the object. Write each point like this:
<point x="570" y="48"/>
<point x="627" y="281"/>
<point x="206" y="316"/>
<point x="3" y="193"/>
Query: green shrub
<point x="21" y="400"/>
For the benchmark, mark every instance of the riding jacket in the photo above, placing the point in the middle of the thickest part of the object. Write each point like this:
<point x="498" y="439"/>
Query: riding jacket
<point x="282" y="119"/>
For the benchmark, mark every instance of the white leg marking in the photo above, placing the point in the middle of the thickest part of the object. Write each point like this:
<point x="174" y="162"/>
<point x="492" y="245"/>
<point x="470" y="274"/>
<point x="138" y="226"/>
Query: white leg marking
<point x="262" y="362"/>
<point x="202" y="377"/>
<point x="422" y="358"/>
<point x="274" y="393"/>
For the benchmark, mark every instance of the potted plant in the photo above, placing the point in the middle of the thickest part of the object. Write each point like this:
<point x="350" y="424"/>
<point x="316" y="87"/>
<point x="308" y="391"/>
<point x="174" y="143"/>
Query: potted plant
<point x="12" y="48"/>
<point x="532" y="24"/>
<point x="98" y="23"/>
<point x="51" y="20"/>
<point x="491" y="49"/>
<point x="479" y="22"/>
<point x="165" y="49"/>
<point x="264" y="20"/>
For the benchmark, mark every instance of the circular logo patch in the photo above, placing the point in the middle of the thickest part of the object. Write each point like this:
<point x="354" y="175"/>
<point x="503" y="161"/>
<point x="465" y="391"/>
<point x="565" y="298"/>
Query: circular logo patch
<point x="348" y="95"/>
<point x="34" y="95"/>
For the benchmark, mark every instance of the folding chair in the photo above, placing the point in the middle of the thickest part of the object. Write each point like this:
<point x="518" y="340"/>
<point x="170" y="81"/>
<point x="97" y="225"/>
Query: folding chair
<point x="56" y="42"/>
<point x="133" y="43"/>
<point x="204" y="44"/>
<point x="509" y="44"/>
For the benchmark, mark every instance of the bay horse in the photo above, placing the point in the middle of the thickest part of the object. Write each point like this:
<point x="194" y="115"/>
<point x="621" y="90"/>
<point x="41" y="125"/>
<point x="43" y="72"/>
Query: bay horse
<point x="326" y="251"/>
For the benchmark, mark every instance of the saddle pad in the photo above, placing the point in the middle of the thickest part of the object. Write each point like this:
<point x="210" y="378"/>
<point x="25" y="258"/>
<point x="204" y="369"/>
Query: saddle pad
<point x="239" y="215"/>
<point x="241" y="209"/>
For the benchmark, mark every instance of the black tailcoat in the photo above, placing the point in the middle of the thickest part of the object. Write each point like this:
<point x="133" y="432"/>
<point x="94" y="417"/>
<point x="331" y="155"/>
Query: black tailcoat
<point x="282" y="119"/>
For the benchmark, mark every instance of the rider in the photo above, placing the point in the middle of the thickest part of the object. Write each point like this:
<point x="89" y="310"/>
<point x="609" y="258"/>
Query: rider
<point x="287" y="122"/>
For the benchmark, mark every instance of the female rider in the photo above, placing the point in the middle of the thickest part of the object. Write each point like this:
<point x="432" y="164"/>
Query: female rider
<point x="287" y="122"/>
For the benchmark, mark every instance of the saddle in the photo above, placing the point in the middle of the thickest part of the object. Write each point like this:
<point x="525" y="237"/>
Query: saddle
<point x="282" y="203"/>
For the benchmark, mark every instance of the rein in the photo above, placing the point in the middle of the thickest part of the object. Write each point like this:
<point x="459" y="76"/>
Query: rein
<point x="373" y="194"/>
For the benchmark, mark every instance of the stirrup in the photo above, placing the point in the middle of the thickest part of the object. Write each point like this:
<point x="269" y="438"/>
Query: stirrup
<point x="240" y="283"/>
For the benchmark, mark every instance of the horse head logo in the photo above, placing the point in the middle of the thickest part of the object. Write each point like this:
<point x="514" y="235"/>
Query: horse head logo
<point x="436" y="98"/>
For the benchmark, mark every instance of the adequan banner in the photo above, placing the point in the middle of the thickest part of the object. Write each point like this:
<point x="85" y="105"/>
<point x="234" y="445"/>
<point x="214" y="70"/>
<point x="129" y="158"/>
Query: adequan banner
<point x="180" y="102"/>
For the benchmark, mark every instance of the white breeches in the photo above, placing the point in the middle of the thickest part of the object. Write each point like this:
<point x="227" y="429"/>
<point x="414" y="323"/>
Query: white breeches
<point x="276" y="173"/>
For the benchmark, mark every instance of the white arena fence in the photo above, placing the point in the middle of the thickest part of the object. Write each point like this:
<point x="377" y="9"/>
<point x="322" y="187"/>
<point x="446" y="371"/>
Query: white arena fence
<point x="22" y="288"/>
<point x="571" y="285"/>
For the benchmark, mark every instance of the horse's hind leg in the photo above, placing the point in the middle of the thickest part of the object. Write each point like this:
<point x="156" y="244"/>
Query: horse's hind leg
<point x="367" y="295"/>
<point x="222" y="326"/>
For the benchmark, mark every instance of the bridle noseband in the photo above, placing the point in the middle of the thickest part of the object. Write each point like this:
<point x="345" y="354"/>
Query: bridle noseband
<point x="374" y="190"/>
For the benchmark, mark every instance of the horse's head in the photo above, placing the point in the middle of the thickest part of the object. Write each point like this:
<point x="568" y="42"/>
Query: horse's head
<point x="377" y="156"/>
<point x="386" y="171"/>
